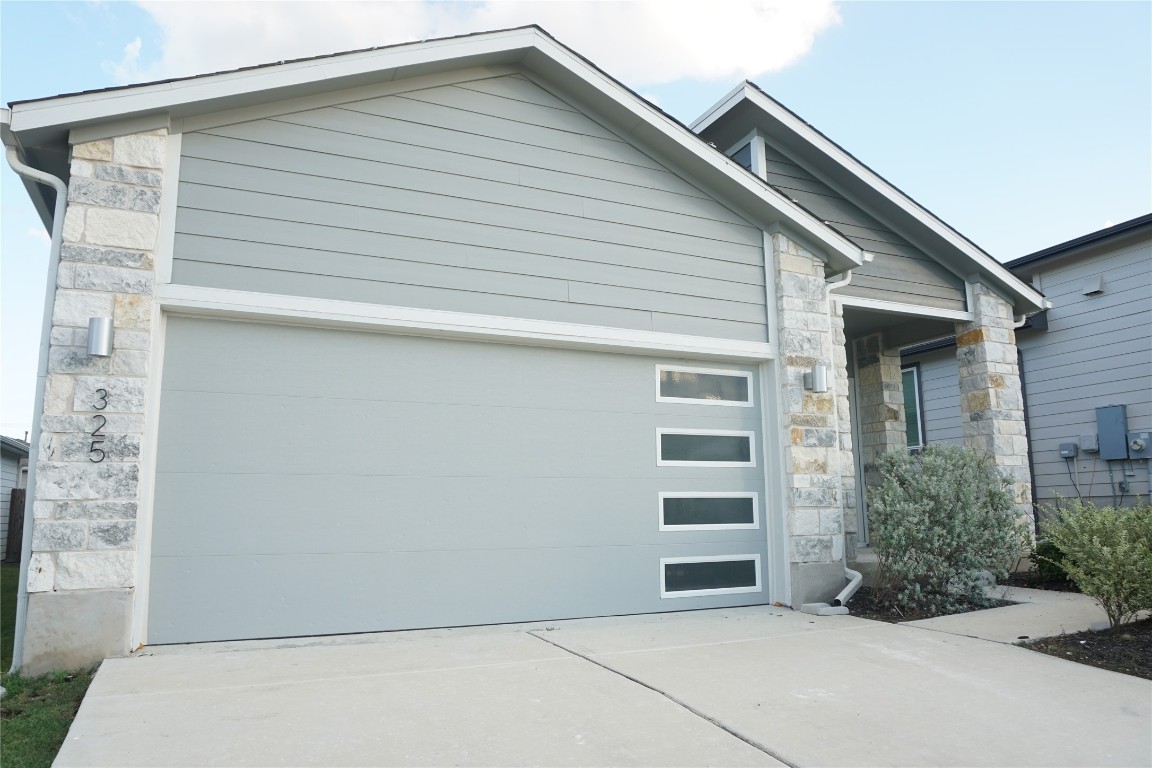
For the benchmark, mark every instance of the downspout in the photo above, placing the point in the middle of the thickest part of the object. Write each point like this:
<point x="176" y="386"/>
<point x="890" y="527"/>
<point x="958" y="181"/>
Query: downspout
<point x="855" y="578"/>
<point x="12" y="154"/>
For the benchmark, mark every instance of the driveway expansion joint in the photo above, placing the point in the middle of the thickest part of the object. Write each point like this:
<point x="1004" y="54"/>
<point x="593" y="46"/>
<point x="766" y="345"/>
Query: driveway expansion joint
<point x="683" y="705"/>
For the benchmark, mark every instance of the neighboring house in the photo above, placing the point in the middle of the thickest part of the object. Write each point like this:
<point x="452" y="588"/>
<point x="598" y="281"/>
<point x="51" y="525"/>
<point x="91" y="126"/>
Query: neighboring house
<point x="1092" y="349"/>
<point x="13" y="474"/>
<point x="553" y="342"/>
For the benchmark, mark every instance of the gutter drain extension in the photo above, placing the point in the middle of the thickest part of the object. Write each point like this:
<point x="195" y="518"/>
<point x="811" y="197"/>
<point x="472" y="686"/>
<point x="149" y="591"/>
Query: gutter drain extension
<point x="837" y="607"/>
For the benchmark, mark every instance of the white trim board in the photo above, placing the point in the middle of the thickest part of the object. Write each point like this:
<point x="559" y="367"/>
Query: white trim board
<point x="901" y="308"/>
<point x="298" y="310"/>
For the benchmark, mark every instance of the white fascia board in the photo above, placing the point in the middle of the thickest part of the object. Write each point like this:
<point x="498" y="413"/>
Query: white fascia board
<point x="901" y="308"/>
<point x="277" y="81"/>
<point x="720" y="108"/>
<point x="330" y="313"/>
<point x="645" y="116"/>
<point x="883" y="188"/>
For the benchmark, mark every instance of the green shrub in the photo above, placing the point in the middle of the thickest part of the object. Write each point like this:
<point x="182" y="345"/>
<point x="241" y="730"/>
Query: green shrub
<point x="938" y="519"/>
<point x="1047" y="558"/>
<point x="1108" y="553"/>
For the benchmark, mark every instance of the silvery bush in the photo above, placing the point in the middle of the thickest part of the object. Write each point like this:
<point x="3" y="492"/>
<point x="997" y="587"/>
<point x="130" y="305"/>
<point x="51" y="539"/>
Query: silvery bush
<point x="940" y="518"/>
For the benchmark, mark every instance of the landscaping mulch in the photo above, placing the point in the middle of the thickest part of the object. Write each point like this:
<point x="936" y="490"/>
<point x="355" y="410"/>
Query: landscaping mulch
<point x="1126" y="649"/>
<point x="1035" y="580"/>
<point x="865" y="605"/>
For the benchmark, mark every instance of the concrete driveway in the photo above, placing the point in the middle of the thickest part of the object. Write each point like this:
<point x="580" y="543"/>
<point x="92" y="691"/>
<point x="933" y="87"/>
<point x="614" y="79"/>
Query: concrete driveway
<point x="746" y="686"/>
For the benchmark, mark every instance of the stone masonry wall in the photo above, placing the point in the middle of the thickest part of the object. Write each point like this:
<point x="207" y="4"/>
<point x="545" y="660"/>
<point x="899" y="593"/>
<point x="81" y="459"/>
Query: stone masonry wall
<point x="84" y="514"/>
<point x="812" y="420"/>
<point x="880" y="386"/>
<point x="844" y="425"/>
<point x="991" y="404"/>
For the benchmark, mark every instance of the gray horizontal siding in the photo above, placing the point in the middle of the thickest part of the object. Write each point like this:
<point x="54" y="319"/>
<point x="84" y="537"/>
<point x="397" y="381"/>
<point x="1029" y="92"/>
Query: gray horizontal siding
<point x="899" y="272"/>
<point x="492" y="197"/>
<point x="1097" y="351"/>
<point x="940" y="397"/>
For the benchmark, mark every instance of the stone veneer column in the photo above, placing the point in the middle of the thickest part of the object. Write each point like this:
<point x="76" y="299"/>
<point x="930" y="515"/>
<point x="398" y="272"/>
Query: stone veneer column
<point x="82" y="567"/>
<point x="991" y="405"/>
<point x="880" y="389"/>
<point x="844" y="425"/>
<point x="813" y="467"/>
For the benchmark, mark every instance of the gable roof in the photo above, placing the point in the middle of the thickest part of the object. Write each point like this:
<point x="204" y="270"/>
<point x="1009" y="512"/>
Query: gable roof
<point x="747" y="107"/>
<point x="41" y="128"/>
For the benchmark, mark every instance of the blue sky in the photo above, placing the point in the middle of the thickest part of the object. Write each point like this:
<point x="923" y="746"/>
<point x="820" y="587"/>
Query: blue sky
<point x="1021" y="124"/>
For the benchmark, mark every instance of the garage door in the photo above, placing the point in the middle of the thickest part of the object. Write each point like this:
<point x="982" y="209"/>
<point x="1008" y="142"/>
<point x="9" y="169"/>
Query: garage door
<point x="315" y="481"/>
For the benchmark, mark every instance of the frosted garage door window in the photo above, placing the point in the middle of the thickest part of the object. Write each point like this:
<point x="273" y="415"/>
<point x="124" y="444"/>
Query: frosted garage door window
<point x="704" y="386"/>
<point x="707" y="511"/>
<point x="697" y="576"/>
<point x="714" y="448"/>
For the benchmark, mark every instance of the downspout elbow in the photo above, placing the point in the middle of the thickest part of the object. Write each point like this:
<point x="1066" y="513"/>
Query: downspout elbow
<point x="856" y="580"/>
<point x="841" y="282"/>
<point x="12" y="154"/>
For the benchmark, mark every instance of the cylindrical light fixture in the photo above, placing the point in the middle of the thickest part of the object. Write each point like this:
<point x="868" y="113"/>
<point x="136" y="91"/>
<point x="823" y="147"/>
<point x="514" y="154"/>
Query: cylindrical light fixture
<point x="100" y="336"/>
<point x="816" y="380"/>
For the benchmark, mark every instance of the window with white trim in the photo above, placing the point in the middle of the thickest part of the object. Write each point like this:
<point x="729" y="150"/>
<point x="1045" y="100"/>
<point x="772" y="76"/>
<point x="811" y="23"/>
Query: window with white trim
<point x="705" y="448"/>
<point x="703" y="386"/>
<point x="709" y="510"/>
<point x="709" y="575"/>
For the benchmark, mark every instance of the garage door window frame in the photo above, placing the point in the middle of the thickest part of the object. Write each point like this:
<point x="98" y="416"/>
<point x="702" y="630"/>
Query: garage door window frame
<point x="747" y="376"/>
<point x="754" y="525"/>
<point x="665" y="561"/>
<point x="662" y="462"/>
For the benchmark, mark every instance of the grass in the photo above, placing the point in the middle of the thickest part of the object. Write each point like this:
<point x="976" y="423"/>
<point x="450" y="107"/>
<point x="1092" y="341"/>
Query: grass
<point x="36" y="712"/>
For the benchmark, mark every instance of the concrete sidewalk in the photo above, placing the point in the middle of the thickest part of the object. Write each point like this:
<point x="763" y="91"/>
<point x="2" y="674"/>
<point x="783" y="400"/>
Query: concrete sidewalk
<point x="747" y="686"/>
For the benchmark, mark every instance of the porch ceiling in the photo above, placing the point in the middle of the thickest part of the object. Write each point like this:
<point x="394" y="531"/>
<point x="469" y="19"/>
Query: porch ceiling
<point x="899" y="330"/>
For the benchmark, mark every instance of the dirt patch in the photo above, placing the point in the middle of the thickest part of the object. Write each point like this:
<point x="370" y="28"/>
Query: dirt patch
<point x="1126" y="649"/>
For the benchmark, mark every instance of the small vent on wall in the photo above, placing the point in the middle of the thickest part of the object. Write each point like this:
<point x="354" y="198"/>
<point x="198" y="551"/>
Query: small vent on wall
<point x="1093" y="285"/>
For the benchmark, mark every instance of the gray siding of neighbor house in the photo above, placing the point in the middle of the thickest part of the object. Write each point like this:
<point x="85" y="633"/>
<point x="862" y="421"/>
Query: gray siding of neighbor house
<point x="489" y="196"/>
<point x="9" y="478"/>
<point x="317" y="481"/>
<point x="900" y="271"/>
<point x="1097" y="351"/>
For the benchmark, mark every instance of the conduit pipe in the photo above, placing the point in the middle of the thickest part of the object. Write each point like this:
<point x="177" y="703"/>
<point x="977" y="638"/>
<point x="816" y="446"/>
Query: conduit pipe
<point x="12" y="154"/>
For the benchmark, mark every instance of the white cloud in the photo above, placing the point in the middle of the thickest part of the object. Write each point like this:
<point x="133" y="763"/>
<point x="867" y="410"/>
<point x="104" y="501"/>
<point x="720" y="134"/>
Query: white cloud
<point x="127" y="70"/>
<point x="39" y="235"/>
<point x="642" y="43"/>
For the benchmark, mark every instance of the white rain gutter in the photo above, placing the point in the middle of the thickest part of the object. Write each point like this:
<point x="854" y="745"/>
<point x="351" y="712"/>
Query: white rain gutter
<point x="11" y="152"/>
<point x="842" y="282"/>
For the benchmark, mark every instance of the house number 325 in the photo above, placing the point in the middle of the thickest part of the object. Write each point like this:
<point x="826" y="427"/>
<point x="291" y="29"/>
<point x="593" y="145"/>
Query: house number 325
<point x="95" y="453"/>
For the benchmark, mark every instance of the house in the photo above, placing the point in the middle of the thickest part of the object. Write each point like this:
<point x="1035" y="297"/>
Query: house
<point x="13" y="474"/>
<point x="566" y="356"/>
<point x="1091" y="350"/>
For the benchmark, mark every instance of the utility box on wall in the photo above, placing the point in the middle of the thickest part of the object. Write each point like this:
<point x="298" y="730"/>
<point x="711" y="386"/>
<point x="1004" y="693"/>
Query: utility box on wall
<point x="1112" y="426"/>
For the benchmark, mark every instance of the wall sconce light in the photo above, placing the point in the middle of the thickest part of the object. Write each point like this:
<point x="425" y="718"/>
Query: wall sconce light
<point x="100" y="336"/>
<point x="817" y="378"/>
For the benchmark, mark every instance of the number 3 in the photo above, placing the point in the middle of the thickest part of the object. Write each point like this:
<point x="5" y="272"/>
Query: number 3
<point x="103" y="402"/>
